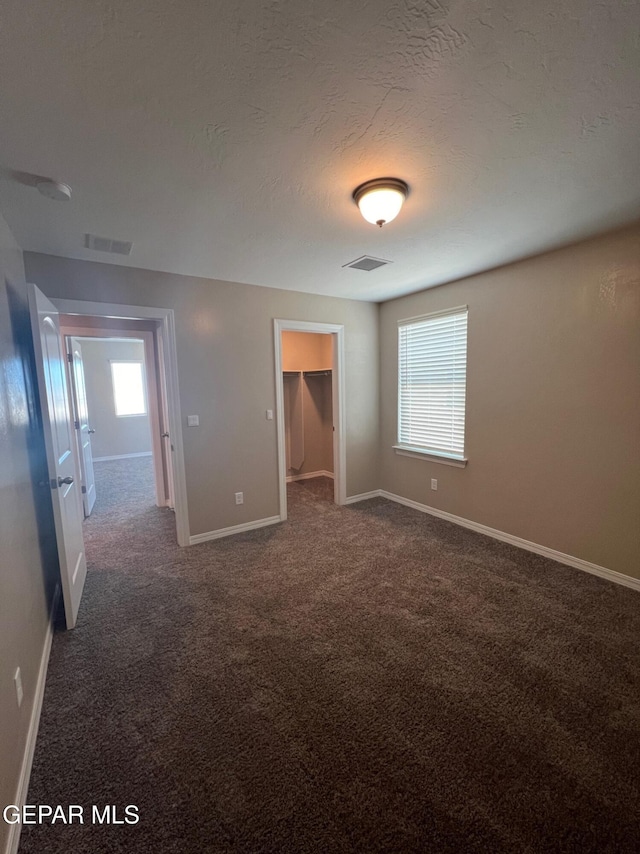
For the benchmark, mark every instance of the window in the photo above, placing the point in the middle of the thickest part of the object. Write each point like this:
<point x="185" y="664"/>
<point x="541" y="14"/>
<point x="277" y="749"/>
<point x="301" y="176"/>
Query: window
<point x="432" y="375"/>
<point x="128" y="388"/>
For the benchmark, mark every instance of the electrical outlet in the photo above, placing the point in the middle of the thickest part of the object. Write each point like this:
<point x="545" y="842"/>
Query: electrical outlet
<point x="18" y="683"/>
<point x="239" y="497"/>
<point x="434" y="483"/>
<point x="269" y="414"/>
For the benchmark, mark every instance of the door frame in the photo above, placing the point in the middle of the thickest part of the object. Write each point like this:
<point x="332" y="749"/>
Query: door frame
<point x="167" y="332"/>
<point x="336" y="330"/>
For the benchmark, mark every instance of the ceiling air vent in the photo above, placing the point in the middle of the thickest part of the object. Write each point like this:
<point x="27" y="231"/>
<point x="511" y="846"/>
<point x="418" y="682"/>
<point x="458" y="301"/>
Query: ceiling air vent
<point x="367" y="263"/>
<point x="106" y="244"/>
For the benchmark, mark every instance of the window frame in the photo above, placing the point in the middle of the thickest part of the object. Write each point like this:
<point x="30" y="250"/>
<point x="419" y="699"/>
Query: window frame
<point x="145" y="402"/>
<point x="418" y="451"/>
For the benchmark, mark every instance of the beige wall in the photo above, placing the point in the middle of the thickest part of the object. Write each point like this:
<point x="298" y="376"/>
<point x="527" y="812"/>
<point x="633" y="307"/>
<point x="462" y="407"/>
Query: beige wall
<point x="308" y="351"/>
<point x="553" y="402"/>
<point x="114" y="436"/>
<point x="27" y="561"/>
<point x="225" y="348"/>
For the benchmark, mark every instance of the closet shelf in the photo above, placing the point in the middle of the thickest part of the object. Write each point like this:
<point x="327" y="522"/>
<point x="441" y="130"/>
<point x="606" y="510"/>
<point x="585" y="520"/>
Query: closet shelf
<point x="326" y="373"/>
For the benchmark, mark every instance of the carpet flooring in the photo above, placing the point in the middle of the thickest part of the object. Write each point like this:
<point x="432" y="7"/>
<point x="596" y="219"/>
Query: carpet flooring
<point x="357" y="679"/>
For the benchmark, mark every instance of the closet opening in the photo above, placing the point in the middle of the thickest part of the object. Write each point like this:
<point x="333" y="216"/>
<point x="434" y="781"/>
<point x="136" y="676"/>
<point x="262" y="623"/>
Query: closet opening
<point x="309" y="388"/>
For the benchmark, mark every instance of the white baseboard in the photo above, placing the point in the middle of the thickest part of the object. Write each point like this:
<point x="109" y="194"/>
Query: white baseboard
<point x="363" y="496"/>
<point x="309" y="475"/>
<point x="560" y="557"/>
<point x="13" y="839"/>
<point x="233" y="529"/>
<point x="122" y="457"/>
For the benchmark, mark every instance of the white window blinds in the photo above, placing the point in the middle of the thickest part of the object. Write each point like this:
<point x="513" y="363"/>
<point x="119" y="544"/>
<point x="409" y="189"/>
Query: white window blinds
<point x="432" y="362"/>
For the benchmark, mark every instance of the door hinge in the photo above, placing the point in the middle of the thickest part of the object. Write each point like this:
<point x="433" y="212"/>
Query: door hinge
<point x="84" y="490"/>
<point x="69" y="357"/>
<point x="76" y="424"/>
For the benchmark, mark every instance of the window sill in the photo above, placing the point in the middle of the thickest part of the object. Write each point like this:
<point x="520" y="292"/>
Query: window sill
<point x="430" y="456"/>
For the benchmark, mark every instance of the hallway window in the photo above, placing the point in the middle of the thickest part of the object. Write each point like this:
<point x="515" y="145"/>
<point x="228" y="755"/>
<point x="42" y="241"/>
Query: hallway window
<point x="128" y="388"/>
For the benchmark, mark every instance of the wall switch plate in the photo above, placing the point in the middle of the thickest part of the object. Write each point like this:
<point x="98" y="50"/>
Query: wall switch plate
<point x="18" y="683"/>
<point x="193" y="420"/>
<point x="239" y="497"/>
<point x="269" y="414"/>
<point x="434" y="483"/>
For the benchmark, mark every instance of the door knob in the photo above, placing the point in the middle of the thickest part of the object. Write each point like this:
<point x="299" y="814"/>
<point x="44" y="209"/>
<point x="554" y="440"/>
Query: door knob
<point x="91" y="430"/>
<point x="62" y="480"/>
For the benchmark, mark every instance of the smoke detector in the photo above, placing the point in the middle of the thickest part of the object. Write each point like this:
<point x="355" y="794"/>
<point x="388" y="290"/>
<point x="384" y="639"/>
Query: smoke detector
<point x="55" y="190"/>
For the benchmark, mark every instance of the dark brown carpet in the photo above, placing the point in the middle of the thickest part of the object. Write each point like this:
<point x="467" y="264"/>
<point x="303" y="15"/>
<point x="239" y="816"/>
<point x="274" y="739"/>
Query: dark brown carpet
<point x="359" y="679"/>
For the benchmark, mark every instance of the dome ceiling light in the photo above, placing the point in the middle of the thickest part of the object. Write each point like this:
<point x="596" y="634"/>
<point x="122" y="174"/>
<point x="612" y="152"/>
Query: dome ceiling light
<point x="380" y="200"/>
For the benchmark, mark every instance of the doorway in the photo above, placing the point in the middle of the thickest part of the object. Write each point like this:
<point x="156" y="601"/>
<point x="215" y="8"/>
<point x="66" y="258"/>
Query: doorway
<point x="309" y="361"/>
<point x="117" y="404"/>
<point x="141" y="375"/>
<point x="116" y="411"/>
<point x="61" y="443"/>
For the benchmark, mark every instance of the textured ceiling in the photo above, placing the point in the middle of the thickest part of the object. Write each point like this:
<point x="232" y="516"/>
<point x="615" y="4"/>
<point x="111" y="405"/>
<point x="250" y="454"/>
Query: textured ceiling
<point x="225" y="139"/>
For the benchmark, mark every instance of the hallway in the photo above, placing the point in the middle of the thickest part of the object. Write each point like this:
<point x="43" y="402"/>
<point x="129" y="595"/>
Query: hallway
<point x="124" y="489"/>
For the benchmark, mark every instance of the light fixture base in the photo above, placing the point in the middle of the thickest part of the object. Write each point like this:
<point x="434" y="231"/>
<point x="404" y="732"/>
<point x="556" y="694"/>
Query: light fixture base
<point x="380" y="184"/>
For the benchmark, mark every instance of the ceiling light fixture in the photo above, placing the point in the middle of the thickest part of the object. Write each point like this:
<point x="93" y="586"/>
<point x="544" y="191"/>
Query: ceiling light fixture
<point x="55" y="190"/>
<point x="380" y="200"/>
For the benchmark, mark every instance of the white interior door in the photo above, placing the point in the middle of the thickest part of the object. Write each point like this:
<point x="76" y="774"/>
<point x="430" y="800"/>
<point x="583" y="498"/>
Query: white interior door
<point x="59" y="438"/>
<point x="83" y="429"/>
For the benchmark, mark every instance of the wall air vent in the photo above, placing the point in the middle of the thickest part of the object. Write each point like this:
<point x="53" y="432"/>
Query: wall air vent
<point x="367" y="263"/>
<point x="106" y="244"/>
